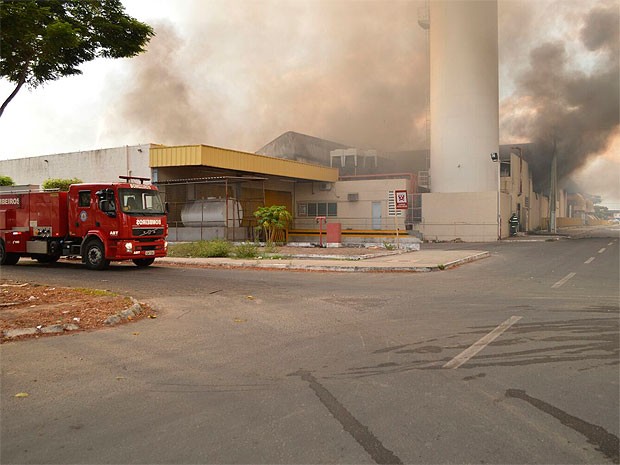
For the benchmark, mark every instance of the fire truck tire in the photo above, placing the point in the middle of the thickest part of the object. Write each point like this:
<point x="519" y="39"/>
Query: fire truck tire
<point x="46" y="258"/>
<point x="94" y="255"/>
<point x="142" y="262"/>
<point x="7" y="258"/>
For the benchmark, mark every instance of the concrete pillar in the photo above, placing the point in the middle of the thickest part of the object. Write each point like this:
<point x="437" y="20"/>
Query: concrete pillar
<point x="464" y="96"/>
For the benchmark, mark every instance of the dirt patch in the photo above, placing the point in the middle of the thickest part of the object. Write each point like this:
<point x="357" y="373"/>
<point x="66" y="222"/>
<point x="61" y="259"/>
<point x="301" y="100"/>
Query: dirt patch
<point x="30" y="305"/>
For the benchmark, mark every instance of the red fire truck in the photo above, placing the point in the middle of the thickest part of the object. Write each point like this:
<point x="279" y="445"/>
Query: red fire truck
<point x="99" y="222"/>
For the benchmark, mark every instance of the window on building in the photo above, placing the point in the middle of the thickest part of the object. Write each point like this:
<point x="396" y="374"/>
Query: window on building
<point x="84" y="199"/>
<point x="312" y="209"/>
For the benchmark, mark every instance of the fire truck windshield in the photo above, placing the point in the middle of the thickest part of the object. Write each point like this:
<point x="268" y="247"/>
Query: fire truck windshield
<point x="141" y="202"/>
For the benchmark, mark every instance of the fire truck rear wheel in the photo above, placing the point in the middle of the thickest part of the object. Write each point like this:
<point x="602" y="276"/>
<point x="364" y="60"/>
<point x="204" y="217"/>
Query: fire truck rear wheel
<point x="141" y="262"/>
<point x="7" y="258"/>
<point x="94" y="255"/>
<point x="46" y="258"/>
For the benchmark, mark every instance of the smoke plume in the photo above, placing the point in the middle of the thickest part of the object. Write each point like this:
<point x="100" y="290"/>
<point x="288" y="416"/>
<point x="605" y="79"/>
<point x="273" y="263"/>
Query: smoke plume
<point x="568" y="108"/>
<point x="238" y="74"/>
<point x="241" y="73"/>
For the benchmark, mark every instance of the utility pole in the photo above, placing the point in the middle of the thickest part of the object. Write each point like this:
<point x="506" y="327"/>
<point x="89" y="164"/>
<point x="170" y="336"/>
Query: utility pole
<point x="553" y="189"/>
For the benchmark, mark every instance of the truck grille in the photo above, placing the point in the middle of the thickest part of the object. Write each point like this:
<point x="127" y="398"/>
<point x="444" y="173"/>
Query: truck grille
<point x="142" y="232"/>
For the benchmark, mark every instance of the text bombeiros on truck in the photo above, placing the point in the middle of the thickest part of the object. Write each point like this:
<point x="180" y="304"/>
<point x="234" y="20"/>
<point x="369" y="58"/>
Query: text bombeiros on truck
<point x="100" y="222"/>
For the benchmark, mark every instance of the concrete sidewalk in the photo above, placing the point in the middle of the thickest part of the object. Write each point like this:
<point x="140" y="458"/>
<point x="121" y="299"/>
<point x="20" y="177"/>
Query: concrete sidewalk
<point x="416" y="261"/>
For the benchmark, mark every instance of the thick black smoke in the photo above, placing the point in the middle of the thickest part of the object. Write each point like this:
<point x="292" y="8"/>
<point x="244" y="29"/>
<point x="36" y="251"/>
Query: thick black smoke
<point x="569" y="109"/>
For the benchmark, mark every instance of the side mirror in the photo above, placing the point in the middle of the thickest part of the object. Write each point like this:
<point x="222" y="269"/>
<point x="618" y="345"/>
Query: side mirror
<point x="107" y="207"/>
<point x="167" y="207"/>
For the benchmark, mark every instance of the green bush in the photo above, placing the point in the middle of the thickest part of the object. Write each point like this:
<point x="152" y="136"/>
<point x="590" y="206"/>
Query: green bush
<point x="246" y="250"/>
<point x="6" y="181"/>
<point x="201" y="249"/>
<point x="60" y="184"/>
<point x="219" y="248"/>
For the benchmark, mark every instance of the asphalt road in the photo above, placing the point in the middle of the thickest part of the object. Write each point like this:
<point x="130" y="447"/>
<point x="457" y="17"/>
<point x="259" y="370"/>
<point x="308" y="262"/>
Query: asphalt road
<point x="512" y="359"/>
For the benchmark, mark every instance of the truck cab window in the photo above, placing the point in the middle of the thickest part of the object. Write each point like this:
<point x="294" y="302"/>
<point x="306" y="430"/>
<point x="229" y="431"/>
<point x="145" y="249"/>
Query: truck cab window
<point x="140" y="202"/>
<point x="84" y="199"/>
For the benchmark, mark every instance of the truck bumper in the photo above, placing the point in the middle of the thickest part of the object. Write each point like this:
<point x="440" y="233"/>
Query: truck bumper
<point x="132" y="249"/>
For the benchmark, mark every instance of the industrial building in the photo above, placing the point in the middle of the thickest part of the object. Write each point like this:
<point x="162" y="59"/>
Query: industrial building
<point x="465" y="187"/>
<point x="213" y="191"/>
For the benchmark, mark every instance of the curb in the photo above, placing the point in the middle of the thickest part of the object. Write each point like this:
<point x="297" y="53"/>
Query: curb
<point x="462" y="261"/>
<point x="11" y="333"/>
<point x="127" y="314"/>
<point x="340" y="267"/>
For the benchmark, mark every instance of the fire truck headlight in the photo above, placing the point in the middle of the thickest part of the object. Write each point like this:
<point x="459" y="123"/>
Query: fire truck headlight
<point x="128" y="246"/>
<point x="166" y="245"/>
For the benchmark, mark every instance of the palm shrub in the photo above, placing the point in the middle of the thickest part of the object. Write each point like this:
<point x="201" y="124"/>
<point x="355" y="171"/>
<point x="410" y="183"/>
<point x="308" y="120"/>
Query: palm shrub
<point x="271" y="220"/>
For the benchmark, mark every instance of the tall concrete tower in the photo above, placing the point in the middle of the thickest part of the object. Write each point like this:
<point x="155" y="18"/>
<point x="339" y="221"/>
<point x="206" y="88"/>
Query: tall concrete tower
<point x="464" y="97"/>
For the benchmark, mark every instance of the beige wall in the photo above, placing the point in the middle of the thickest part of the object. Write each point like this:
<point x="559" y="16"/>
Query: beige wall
<point x="505" y="213"/>
<point x="469" y="216"/>
<point x="351" y="214"/>
<point x="518" y="186"/>
<point x="104" y="165"/>
<point x="539" y="209"/>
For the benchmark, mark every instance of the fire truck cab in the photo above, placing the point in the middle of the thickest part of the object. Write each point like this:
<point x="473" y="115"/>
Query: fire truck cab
<point x="101" y="222"/>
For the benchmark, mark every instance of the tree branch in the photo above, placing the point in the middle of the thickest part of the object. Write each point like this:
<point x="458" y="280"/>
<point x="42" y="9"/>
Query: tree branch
<point x="20" y="83"/>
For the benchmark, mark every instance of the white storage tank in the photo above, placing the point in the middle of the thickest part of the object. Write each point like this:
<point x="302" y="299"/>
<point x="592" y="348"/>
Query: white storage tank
<point x="212" y="212"/>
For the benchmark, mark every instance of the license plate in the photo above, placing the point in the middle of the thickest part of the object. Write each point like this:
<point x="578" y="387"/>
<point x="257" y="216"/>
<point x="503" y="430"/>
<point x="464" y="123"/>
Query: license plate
<point x="149" y="252"/>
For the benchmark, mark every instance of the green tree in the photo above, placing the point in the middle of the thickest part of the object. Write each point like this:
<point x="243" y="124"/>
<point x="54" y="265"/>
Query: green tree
<point x="43" y="40"/>
<point x="6" y="181"/>
<point x="601" y="212"/>
<point x="60" y="184"/>
<point x="272" y="219"/>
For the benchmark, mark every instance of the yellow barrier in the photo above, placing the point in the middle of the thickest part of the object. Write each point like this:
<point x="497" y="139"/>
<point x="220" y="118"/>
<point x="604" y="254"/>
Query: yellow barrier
<point x="350" y="232"/>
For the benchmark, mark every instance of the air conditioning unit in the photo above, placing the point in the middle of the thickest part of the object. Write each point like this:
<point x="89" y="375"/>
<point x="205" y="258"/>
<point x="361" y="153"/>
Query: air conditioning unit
<point x="325" y="186"/>
<point x="353" y="197"/>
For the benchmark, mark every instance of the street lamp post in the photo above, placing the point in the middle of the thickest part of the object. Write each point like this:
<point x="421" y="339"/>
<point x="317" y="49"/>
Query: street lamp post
<point x="495" y="159"/>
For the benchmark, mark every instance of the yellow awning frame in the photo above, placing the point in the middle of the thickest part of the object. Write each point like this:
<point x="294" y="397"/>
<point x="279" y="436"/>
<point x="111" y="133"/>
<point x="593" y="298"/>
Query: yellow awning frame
<point x="215" y="157"/>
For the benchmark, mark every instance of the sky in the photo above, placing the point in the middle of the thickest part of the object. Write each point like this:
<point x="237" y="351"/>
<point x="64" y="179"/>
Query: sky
<point x="239" y="73"/>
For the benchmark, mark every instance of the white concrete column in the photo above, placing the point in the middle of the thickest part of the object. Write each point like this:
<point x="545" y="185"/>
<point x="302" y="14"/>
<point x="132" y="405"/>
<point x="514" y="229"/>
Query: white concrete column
<point x="464" y="96"/>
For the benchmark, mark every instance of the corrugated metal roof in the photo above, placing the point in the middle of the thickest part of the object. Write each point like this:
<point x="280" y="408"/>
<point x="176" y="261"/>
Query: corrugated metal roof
<point x="215" y="157"/>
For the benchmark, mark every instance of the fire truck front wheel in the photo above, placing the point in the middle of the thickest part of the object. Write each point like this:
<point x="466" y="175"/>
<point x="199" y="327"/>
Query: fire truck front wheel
<point x="7" y="258"/>
<point x="94" y="255"/>
<point x="142" y="262"/>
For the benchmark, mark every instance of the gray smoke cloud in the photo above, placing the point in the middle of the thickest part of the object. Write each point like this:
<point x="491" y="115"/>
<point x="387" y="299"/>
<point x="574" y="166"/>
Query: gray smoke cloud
<point x="238" y="74"/>
<point x="158" y="102"/>
<point x="242" y="73"/>
<point x="569" y="108"/>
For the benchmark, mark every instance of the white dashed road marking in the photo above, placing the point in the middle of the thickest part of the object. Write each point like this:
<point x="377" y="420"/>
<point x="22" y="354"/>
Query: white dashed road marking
<point x="589" y="260"/>
<point x="602" y="250"/>
<point x="484" y="341"/>
<point x="562" y="281"/>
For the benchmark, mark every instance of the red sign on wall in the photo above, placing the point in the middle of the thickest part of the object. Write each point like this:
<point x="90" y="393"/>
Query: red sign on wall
<point x="400" y="197"/>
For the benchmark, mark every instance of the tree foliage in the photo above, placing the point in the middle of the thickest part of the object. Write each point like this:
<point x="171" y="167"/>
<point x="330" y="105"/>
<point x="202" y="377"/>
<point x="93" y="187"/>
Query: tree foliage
<point x="44" y="40"/>
<point x="602" y="212"/>
<point x="6" y="181"/>
<point x="60" y="184"/>
<point x="272" y="219"/>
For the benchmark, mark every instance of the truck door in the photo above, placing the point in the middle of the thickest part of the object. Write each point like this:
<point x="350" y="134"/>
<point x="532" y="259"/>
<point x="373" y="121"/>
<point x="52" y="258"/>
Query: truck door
<point x="85" y="215"/>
